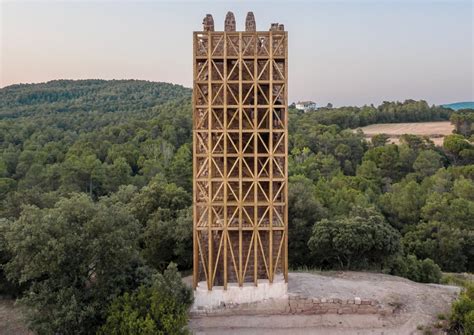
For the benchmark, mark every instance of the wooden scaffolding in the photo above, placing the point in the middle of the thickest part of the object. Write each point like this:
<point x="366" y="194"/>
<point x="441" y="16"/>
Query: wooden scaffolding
<point x="240" y="154"/>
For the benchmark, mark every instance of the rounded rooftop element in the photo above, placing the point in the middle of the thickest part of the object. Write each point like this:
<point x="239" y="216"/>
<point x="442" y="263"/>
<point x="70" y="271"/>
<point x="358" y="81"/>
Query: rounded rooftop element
<point x="250" y="24"/>
<point x="229" y="23"/>
<point x="208" y="23"/>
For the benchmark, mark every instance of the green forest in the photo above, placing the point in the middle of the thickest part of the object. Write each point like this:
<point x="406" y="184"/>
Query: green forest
<point x="96" y="195"/>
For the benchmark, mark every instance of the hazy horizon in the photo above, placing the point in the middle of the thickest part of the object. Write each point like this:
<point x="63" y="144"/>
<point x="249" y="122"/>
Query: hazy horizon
<point x="346" y="53"/>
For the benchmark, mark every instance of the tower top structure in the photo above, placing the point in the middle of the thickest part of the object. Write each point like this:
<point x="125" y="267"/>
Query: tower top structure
<point x="230" y="25"/>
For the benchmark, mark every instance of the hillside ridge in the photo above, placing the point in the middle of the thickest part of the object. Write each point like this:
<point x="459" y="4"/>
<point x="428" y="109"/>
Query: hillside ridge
<point x="460" y="105"/>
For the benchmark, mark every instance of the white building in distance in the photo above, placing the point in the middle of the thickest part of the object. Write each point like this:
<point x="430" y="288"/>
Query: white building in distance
<point x="306" y="106"/>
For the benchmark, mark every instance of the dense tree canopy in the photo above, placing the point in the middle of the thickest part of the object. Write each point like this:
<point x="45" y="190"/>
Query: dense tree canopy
<point x="95" y="198"/>
<point x="76" y="256"/>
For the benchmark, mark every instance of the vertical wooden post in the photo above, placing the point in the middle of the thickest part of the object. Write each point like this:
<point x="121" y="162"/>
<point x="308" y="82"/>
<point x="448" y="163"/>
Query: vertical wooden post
<point x="209" y="150"/>
<point x="226" y="178"/>
<point x="241" y="157"/>
<point x="270" y="154"/>
<point x="255" y="162"/>
<point x="195" y="246"/>
<point x="285" y="258"/>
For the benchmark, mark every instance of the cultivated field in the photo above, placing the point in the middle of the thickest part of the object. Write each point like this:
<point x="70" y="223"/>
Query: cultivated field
<point x="434" y="130"/>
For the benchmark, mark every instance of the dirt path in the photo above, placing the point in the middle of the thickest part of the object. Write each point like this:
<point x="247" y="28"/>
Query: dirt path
<point x="415" y="304"/>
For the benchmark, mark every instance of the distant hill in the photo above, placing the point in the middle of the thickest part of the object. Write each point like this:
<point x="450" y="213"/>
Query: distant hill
<point x="460" y="105"/>
<point x="60" y="96"/>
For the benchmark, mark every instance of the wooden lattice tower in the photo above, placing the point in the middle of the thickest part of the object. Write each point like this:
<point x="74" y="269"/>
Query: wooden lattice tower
<point x="240" y="147"/>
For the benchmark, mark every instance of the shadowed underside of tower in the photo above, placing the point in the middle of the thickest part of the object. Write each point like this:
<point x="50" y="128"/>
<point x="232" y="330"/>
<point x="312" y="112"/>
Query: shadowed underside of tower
<point x="240" y="146"/>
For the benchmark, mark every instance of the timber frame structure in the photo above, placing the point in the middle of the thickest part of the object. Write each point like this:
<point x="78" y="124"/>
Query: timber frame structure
<point x="240" y="154"/>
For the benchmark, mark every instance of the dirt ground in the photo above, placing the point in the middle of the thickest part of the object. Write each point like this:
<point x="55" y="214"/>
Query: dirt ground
<point x="10" y="319"/>
<point x="416" y="305"/>
<point x="435" y="130"/>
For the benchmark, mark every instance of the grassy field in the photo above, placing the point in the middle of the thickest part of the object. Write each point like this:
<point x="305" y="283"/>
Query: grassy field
<point x="436" y="131"/>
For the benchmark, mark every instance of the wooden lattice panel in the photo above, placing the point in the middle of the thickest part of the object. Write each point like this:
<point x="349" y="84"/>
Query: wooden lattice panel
<point x="240" y="146"/>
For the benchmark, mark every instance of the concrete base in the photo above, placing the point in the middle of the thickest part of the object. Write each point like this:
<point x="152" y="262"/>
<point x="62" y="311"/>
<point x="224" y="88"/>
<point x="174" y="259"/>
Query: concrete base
<point x="205" y="300"/>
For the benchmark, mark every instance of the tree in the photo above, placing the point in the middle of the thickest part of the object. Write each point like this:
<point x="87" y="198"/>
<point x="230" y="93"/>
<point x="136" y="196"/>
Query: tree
<point x="304" y="162"/>
<point x="76" y="257"/>
<point x="387" y="160"/>
<point x="83" y="174"/>
<point x="455" y="145"/>
<point x="416" y="142"/>
<point x="169" y="239"/>
<point x="464" y="188"/>
<point x="157" y="308"/>
<point x="304" y="210"/>
<point x="181" y="167"/>
<point x="463" y="121"/>
<point x="3" y="169"/>
<point x="369" y="170"/>
<point x="360" y="240"/>
<point x="445" y="245"/>
<point x="159" y="198"/>
<point x="164" y="211"/>
<point x="6" y="186"/>
<point x="379" y="140"/>
<point x="427" y="163"/>
<point x="403" y="203"/>
<point x="118" y="173"/>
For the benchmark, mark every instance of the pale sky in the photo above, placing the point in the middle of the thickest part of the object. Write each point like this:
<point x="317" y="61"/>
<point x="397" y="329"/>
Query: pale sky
<point x="344" y="52"/>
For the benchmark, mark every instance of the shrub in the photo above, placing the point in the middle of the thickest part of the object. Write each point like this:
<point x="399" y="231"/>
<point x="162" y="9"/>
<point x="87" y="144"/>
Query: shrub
<point x="158" y="308"/>
<point x="429" y="271"/>
<point x="423" y="271"/>
<point x="462" y="317"/>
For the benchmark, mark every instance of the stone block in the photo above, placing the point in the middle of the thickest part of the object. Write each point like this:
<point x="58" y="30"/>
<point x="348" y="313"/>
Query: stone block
<point x="332" y="305"/>
<point x="320" y="311"/>
<point x="386" y="311"/>
<point x="357" y="301"/>
<point x="345" y="310"/>
<point x="366" y="310"/>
